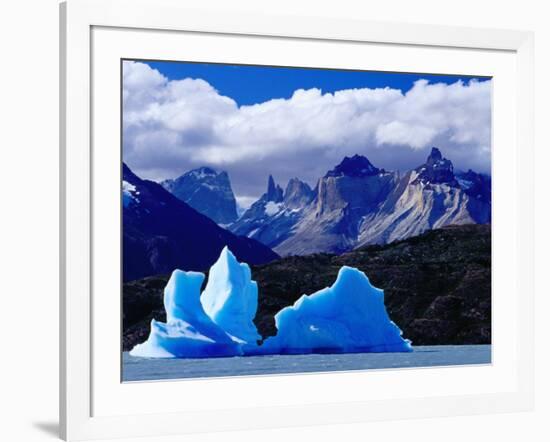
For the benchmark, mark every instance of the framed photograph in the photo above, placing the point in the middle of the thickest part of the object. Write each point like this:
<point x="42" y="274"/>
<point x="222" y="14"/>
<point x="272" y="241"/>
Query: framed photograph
<point x="312" y="221"/>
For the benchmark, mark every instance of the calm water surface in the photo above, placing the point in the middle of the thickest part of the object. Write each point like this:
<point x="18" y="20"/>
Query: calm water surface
<point x="143" y="369"/>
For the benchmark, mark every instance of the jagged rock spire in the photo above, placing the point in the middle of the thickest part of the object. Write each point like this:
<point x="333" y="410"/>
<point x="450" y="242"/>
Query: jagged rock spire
<point x="436" y="170"/>
<point x="435" y="155"/>
<point x="297" y="194"/>
<point x="274" y="191"/>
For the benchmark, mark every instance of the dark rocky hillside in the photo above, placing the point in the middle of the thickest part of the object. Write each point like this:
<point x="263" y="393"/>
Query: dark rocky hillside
<point x="162" y="233"/>
<point x="437" y="286"/>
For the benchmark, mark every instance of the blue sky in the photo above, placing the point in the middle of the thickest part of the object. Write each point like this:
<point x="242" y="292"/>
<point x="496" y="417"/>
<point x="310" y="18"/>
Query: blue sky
<point x="256" y="84"/>
<point x="253" y="121"/>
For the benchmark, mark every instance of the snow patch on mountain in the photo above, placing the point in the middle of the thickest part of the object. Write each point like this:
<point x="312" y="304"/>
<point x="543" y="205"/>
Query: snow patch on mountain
<point x="129" y="194"/>
<point x="272" y="208"/>
<point x="465" y="184"/>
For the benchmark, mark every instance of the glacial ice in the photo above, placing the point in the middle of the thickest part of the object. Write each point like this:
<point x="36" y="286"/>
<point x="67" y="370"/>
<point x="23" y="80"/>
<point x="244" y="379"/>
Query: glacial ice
<point x="188" y="332"/>
<point x="347" y="317"/>
<point x="231" y="298"/>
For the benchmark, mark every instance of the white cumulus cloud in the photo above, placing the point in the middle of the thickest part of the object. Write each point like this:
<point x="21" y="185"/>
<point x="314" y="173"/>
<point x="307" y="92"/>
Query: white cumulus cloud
<point x="171" y="126"/>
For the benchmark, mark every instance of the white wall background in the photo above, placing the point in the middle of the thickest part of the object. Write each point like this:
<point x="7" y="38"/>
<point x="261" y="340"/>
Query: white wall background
<point x="29" y="204"/>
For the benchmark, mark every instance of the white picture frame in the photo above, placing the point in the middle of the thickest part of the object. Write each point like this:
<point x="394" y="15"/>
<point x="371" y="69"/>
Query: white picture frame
<point x="83" y="414"/>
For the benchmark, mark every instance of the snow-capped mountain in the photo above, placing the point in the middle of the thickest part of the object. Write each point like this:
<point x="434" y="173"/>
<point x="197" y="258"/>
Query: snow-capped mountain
<point x="162" y="233"/>
<point x="356" y="204"/>
<point x="271" y="218"/>
<point x="207" y="191"/>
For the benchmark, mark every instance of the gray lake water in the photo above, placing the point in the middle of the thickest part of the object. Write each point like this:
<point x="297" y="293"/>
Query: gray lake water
<point x="144" y="369"/>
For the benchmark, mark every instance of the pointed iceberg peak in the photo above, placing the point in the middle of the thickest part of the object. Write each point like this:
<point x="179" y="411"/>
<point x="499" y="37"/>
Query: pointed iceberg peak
<point x="353" y="276"/>
<point x="231" y="297"/>
<point x="347" y="317"/>
<point x="182" y="295"/>
<point x="188" y="332"/>
<point x="227" y="257"/>
<point x="355" y="166"/>
<point x="436" y="170"/>
<point x="274" y="192"/>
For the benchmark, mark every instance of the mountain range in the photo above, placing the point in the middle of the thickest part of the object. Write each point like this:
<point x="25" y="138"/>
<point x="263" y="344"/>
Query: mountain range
<point x="184" y="223"/>
<point x="357" y="204"/>
<point x="162" y="233"/>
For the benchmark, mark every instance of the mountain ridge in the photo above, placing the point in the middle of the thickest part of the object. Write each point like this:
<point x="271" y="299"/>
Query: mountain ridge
<point x="162" y="233"/>
<point x="356" y="203"/>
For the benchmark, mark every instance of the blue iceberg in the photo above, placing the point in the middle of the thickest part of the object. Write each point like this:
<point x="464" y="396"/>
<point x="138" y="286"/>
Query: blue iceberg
<point x="231" y="298"/>
<point x="348" y="317"/>
<point x="188" y="332"/>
